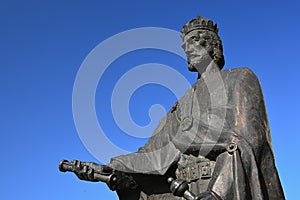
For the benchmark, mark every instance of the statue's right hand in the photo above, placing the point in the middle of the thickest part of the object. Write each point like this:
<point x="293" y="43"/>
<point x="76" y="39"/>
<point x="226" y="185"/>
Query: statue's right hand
<point x="86" y="170"/>
<point x="90" y="171"/>
<point x="82" y="170"/>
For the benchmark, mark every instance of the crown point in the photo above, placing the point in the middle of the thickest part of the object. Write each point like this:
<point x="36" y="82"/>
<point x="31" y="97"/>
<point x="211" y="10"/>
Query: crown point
<point x="199" y="23"/>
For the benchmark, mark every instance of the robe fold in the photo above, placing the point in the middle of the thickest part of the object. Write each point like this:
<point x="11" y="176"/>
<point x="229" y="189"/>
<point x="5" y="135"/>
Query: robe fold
<point x="222" y="118"/>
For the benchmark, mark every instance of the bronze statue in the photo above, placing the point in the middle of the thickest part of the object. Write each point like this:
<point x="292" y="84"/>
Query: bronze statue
<point x="214" y="143"/>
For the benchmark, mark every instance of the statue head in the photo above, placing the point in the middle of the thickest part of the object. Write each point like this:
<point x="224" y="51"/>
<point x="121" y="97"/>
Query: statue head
<point x="202" y="44"/>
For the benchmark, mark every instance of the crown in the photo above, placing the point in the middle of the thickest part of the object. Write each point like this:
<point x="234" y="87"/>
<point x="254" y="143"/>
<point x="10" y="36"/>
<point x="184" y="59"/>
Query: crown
<point x="199" y="23"/>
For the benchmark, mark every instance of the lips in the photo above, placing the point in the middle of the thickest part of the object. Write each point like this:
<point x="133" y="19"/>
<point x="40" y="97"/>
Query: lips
<point x="189" y="56"/>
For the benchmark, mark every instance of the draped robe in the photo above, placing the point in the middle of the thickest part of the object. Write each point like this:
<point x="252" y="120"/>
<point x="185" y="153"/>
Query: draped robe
<point x="223" y="118"/>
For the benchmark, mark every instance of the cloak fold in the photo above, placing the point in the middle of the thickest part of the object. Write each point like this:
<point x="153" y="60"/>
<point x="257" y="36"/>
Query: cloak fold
<point x="227" y="108"/>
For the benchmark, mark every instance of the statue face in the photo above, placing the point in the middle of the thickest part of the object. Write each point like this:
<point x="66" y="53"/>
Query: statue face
<point x="197" y="45"/>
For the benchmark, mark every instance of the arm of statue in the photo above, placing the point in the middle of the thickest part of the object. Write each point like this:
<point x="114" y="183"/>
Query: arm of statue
<point x="90" y="171"/>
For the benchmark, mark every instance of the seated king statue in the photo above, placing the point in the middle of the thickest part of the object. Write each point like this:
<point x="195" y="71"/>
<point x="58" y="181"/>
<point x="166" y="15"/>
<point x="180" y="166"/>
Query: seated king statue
<point x="214" y="143"/>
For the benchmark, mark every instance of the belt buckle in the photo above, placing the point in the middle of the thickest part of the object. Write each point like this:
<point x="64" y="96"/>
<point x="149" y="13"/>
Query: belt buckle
<point x="205" y="170"/>
<point x="194" y="172"/>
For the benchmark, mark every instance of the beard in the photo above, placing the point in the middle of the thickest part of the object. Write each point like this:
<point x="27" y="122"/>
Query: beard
<point x="200" y="66"/>
<point x="191" y="68"/>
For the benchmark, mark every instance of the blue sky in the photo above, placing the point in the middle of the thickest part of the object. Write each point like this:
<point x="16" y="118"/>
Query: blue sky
<point x="43" y="45"/>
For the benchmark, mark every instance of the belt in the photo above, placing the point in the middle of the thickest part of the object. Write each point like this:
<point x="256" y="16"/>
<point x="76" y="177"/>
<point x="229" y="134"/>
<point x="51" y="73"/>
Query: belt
<point x="191" y="168"/>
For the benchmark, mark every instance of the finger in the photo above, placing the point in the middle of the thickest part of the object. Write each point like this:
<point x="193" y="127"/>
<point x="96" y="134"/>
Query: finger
<point x="90" y="174"/>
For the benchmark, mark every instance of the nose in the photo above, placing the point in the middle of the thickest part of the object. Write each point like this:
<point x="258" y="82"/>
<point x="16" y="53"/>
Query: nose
<point x="187" y="47"/>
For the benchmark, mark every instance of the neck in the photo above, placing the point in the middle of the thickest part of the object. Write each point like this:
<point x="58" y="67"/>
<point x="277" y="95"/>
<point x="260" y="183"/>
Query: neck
<point x="211" y="68"/>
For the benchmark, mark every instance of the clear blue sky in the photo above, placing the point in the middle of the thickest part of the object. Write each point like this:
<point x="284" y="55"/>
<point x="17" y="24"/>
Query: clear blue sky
<point x="43" y="44"/>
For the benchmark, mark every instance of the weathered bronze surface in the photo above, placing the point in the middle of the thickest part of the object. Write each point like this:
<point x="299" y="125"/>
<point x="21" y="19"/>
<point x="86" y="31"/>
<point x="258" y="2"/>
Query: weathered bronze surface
<point x="213" y="144"/>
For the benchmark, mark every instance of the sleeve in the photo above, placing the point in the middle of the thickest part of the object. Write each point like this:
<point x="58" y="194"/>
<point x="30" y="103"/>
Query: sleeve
<point x="155" y="157"/>
<point x="150" y="166"/>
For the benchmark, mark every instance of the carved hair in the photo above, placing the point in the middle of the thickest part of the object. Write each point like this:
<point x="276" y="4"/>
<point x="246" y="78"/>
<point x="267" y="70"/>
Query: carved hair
<point x="217" y="54"/>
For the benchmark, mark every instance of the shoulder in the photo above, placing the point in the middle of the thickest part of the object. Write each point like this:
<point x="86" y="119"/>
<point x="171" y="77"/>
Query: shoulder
<point x="242" y="72"/>
<point x="242" y="82"/>
<point x="241" y="75"/>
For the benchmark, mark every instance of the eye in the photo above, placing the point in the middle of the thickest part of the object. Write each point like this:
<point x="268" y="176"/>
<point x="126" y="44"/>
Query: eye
<point x="195" y="37"/>
<point x="203" y="42"/>
<point x="206" y="37"/>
